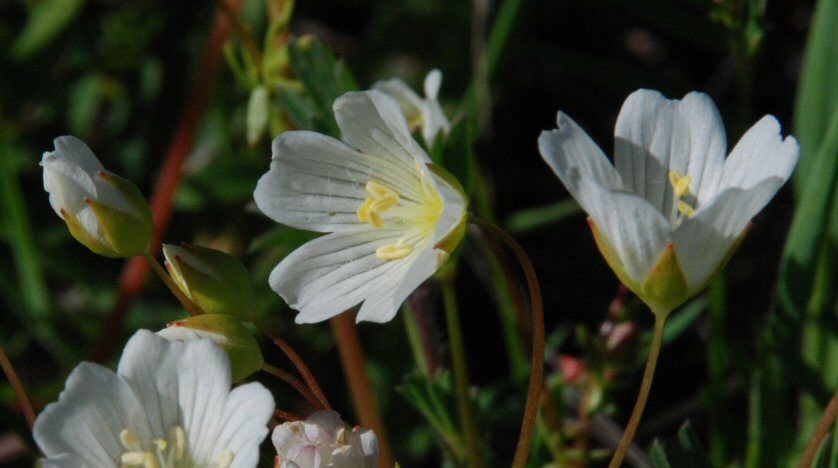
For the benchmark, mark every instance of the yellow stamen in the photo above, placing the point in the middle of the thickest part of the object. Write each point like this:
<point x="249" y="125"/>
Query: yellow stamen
<point x="681" y="188"/>
<point x="380" y="199"/>
<point x="394" y="251"/>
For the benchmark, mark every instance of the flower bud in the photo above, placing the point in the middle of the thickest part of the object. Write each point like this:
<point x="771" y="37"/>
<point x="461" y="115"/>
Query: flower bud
<point x="215" y="281"/>
<point x="103" y="211"/>
<point x="258" y="114"/>
<point x="228" y="332"/>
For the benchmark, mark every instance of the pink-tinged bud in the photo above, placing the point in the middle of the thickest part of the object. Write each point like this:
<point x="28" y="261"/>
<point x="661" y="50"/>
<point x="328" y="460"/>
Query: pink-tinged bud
<point x="324" y="440"/>
<point x="572" y="367"/>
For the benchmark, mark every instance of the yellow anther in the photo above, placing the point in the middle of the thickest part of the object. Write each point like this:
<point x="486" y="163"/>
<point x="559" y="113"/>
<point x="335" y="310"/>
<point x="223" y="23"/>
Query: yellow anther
<point x="394" y="251"/>
<point x="129" y="440"/>
<point x="133" y="458"/>
<point x="685" y="208"/>
<point x="161" y="444"/>
<point x="341" y="438"/>
<point x="380" y="199"/>
<point x="178" y="436"/>
<point x="680" y="183"/>
<point x="224" y="459"/>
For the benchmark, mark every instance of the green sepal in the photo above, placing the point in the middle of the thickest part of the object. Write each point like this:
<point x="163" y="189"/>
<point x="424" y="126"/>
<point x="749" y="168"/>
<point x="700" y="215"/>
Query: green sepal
<point x="665" y="286"/>
<point x="128" y="235"/>
<point x="237" y="341"/>
<point x="451" y="240"/>
<point x="222" y="285"/>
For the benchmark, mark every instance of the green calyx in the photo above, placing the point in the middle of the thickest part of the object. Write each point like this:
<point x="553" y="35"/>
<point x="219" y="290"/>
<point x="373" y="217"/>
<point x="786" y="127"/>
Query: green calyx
<point x="452" y="239"/>
<point x="215" y="281"/>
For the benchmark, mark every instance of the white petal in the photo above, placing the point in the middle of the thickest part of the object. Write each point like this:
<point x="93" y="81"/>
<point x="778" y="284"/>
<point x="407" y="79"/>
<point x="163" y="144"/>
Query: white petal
<point x="330" y="274"/>
<point x="408" y="100"/>
<point x="572" y="155"/>
<point x="317" y="183"/>
<point x="372" y="123"/>
<point x="453" y="207"/>
<point x="287" y="436"/>
<point x="636" y="231"/>
<point x="203" y="371"/>
<point x="432" y="83"/>
<point x="67" y="183"/>
<point x="65" y="460"/>
<point x="760" y="154"/>
<point x="322" y="426"/>
<point x="95" y="406"/>
<point x="704" y="240"/>
<point x="150" y="367"/>
<point x="246" y="415"/>
<point x="391" y="291"/>
<point x="369" y="444"/>
<point x="433" y="121"/>
<point x="655" y="135"/>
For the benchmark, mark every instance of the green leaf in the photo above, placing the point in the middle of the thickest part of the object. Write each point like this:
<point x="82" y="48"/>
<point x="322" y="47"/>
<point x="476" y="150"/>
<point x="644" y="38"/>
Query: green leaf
<point x="47" y="19"/>
<point x="825" y="458"/>
<point x="437" y="403"/>
<point x="683" y="451"/>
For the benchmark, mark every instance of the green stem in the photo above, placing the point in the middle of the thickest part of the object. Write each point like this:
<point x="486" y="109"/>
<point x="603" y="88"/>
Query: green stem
<point x="17" y="385"/>
<point x="536" y="384"/>
<point x="824" y="425"/>
<point x="170" y="283"/>
<point x="458" y="359"/>
<point x="643" y="394"/>
<point x="717" y="359"/>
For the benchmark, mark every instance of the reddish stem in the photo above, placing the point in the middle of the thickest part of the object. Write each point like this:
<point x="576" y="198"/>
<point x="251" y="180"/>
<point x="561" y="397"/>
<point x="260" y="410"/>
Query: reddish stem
<point x="135" y="273"/>
<point x="298" y="385"/>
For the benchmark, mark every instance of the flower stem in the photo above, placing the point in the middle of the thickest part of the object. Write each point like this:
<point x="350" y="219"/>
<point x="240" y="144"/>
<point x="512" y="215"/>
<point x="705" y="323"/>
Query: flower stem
<point x="164" y="276"/>
<point x="298" y="384"/>
<point x="642" y="395"/>
<point x="537" y="376"/>
<point x="360" y="386"/>
<point x="17" y="385"/>
<point x="826" y="422"/>
<point x="302" y="368"/>
<point x="474" y="456"/>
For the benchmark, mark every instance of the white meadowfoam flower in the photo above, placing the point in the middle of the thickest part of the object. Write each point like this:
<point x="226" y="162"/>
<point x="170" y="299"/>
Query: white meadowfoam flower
<point x="392" y="216"/>
<point x="168" y="406"/>
<point x="323" y="440"/>
<point x="672" y="211"/>
<point x="424" y="113"/>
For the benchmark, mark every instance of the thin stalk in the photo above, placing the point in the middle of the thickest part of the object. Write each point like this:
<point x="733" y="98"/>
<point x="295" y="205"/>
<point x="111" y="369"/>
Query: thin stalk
<point x="824" y="425"/>
<point x="360" y="386"/>
<point x="537" y="376"/>
<point x="287" y="415"/>
<point x="643" y="394"/>
<point x="297" y="361"/>
<point x="170" y="283"/>
<point x="17" y="386"/>
<point x="474" y="456"/>
<point x="298" y="384"/>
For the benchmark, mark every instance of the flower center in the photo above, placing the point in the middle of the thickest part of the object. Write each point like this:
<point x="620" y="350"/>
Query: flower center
<point x="171" y="452"/>
<point x="681" y="188"/>
<point x="380" y="199"/>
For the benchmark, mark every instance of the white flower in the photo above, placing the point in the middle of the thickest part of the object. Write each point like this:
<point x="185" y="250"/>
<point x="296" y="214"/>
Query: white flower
<point x="169" y="406"/>
<point x="392" y="216"/>
<point x="671" y="212"/>
<point x="323" y="440"/>
<point x="103" y="211"/>
<point x="425" y="113"/>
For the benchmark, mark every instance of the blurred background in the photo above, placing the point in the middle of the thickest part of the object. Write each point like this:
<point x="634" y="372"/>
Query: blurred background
<point x="147" y="86"/>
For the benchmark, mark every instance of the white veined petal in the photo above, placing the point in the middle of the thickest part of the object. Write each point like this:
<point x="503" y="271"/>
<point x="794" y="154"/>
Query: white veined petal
<point x="332" y="273"/>
<point x="86" y="421"/>
<point x="408" y="100"/>
<point x="572" y="155"/>
<point x="760" y="154"/>
<point x="65" y="460"/>
<point x="285" y="438"/>
<point x="700" y="135"/>
<point x="634" y="229"/>
<point x="203" y="385"/>
<point x="67" y="184"/>
<point x="246" y="415"/>
<point x="78" y="153"/>
<point x="704" y="240"/>
<point x="434" y="121"/>
<point x="317" y="183"/>
<point x="389" y="294"/>
<point x="150" y="366"/>
<point x="433" y="81"/>
<point x="453" y="207"/>
<point x="373" y="123"/>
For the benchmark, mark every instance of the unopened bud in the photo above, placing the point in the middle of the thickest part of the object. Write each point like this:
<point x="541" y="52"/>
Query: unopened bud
<point x="215" y="281"/>
<point x="258" y="114"/>
<point x="228" y="332"/>
<point x="103" y="211"/>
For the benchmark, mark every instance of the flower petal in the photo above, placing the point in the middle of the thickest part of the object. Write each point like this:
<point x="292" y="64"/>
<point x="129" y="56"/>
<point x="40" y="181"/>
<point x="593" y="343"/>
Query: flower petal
<point x="572" y="155"/>
<point x="703" y="241"/>
<point x="372" y="123"/>
<point x="246" y="415"/>
<point x="391" y="290"/>
<point x="433" y="80"/>
<point x="635" y="230"/>
<point x="760" y="154"/>
<point x="408" y="100"/>
<point x="655" y="135"/>
<point x="149" y="365"/>
<point x="86" y="421"/>
<point x="330" y="274"/>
